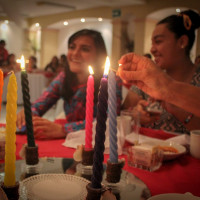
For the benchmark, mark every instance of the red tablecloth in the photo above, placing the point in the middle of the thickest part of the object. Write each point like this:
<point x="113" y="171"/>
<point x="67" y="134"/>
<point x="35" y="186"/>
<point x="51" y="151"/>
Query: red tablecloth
<point x="176" y="176"/>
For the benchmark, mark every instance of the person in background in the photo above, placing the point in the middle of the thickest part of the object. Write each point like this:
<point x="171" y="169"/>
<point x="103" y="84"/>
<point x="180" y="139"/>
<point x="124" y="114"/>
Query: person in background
<point x="197" y="60"/>
<point x="32" y="64"/>
<point x="85" y="47"/>
<point x="3" y="53"/>
<point x="53" y="65"/>
<point x="12" y="65"/>
<point x="172" y="40"/>
<point x="51" y="69"/>
<point x="148" y="55"/>
<point x="62" y="63"/>
<point x="146" y="75"/>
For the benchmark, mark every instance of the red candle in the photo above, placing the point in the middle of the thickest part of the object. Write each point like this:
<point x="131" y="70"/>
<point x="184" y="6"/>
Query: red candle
<point x="89" y="110"/>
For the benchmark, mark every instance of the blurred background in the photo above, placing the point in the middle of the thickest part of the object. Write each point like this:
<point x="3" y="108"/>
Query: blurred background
<point x="42" y="28"/>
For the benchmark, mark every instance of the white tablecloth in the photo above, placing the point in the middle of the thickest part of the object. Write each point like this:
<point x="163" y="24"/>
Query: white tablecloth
<point x="37" y="84"/>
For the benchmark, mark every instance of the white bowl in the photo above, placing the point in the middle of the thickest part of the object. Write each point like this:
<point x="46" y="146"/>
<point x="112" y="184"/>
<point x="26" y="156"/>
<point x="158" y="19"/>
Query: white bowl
<point x="174" y="196"/>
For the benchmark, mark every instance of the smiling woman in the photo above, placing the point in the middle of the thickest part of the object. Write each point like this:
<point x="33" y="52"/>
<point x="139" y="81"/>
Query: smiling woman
<point x="172" y="40"/>
<point x="85" y="47"/>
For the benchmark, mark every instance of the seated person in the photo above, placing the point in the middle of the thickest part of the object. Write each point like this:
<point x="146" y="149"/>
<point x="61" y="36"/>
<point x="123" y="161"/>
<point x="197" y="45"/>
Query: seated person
<point x="32" y="64"/>
<point x="171" y="49"/>
<point x="3" y="53"/>
<point x="53" y="65"/>
<point x="197" y="60"/>
<point x="85" y="47"/>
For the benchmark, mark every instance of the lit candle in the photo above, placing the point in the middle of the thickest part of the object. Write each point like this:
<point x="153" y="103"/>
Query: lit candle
<point x="27" y="104"/>
<point x="10" y="147"/>
<point x="1" y="87"/>
<point x="112" y="115"/>
<point x="89" y="110"/>
<point x="100" y="129"/>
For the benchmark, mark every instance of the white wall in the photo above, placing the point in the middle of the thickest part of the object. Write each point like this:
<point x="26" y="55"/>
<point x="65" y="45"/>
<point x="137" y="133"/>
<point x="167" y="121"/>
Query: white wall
<point x="13" y="35"/>
<point x="104" y="27"/>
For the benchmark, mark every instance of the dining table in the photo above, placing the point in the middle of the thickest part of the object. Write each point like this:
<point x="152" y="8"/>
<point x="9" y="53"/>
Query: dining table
<point x="179" y="175"/>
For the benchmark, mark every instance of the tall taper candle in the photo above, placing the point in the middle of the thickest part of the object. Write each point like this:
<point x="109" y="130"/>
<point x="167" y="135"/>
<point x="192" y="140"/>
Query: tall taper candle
<point x="89" y="110"/>
<point x="1" y="87"/>
<point x="112" y="115"/>
<point x="27" y="105"/>
<point x="100" y="130"/>
<point x="10" y="146"/>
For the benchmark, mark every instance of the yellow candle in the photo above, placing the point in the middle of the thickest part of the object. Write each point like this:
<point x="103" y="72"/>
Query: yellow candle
<point x="1" y="87"/>
<point x="10" y="147"/>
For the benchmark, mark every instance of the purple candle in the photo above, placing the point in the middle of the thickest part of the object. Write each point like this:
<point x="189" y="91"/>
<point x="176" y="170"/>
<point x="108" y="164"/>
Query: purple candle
<point x="100" y="130"/>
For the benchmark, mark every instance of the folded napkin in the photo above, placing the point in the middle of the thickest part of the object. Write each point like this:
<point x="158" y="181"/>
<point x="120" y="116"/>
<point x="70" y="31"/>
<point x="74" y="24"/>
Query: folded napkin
<point x="183" y="139"/>
<point x="152" y="135"/>
<point x="76" y="138"/>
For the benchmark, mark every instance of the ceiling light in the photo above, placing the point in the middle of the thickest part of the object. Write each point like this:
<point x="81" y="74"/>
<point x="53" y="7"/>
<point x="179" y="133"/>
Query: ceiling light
<point x="37" y="24"/>
<point x="65" y="23"/>
<point x="82" y="20"/>
<point x="6" y="21"/>
<point x="100" y="19"/>
<point x="178" y="10"/>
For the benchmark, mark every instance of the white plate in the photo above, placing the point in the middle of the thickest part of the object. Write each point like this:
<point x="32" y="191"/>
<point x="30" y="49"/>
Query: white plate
<point x="173" y="196"/>
<point x="53" y="186"/>
<point x="153" y="141"/>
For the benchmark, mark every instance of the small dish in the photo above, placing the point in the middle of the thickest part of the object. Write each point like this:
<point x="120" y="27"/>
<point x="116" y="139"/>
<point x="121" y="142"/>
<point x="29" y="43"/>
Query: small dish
<point x="172" y="196"/>
<point x="53" y="186"/>
<point x="169" y="155"/>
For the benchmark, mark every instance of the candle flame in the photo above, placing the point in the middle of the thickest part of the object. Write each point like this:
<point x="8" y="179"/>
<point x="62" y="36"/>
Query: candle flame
<point x="90" y="70"/>
<point x="107" y="66"/>
<point x="22" y="63"/>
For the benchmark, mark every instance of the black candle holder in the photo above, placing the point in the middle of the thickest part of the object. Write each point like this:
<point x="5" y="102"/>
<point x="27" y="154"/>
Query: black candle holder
<point x="87" y="156"/>
<point x="113" y="171"/>
<point x="93" y="193"/>
<point x="11" y="191"/>
<point x="87" y="163"/>
<point x="32" y="161"/>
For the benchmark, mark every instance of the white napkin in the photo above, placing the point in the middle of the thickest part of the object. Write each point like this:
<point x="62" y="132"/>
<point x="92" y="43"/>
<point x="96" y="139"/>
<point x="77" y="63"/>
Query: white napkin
<point x="76" y="138"/>
<point x="183" y="139"/>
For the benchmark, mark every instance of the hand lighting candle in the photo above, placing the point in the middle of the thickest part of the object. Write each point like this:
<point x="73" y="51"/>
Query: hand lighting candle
<point x="112" y="115"/>
<point x="100" y="129"/>
<point x="10" y="147"/>
<point x="89" y="110"/>
<point x="27" y="104"/>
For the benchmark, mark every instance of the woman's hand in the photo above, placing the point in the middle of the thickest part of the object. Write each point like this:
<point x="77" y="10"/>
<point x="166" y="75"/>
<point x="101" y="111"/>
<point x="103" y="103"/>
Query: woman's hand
<point x="143" y="73"/>
<point x="45" y="129"/>
<point x="145" y="116"/>
<point x="20" y="119"/>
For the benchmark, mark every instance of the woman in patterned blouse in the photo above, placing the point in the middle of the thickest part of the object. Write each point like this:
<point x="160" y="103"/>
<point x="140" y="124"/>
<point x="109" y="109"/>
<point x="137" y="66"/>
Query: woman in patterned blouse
<point x="85" y="47"/>
<point x="172" y="40"/>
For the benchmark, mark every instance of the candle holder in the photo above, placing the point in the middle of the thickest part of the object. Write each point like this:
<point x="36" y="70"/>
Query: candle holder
<point x="94" y="193"/>
<point x="113" y="171"/>
<point x="87" y="156"/>
<point x="32" y="161"/>
<point x="11" y="191"/>
<point x="85" y="168"/>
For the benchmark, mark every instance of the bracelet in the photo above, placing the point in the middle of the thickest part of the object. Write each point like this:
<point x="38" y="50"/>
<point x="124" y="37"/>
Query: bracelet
<point x="187" y="120"/>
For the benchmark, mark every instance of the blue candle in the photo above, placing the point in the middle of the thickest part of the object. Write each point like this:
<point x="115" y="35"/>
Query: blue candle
<point x="112" y="115"/>
<point x="99" y="147"/>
